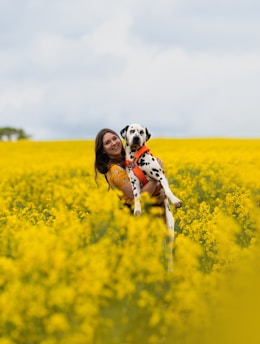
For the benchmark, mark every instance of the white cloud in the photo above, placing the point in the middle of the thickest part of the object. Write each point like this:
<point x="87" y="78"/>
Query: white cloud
<point x="200" y="25"/>
<point x="16" y="100"/>
<point x="182" y="68"/>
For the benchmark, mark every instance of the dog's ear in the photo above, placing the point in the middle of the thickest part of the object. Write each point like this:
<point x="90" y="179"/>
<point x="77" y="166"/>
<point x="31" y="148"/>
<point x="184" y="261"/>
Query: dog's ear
<point x="148" y="134"/>
<point x="123" y="132"/>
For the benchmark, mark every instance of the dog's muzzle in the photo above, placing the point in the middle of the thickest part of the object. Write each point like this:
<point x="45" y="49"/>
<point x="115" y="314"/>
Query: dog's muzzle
<point x="136" y="140"/>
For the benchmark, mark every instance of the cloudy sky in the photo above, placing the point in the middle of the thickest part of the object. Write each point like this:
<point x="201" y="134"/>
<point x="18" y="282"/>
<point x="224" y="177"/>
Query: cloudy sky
<point x="182" y="68"/>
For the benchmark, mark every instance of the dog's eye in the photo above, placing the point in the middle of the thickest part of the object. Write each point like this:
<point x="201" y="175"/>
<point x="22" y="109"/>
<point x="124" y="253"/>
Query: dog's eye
<point x="132" y="131"/>
<point x="141" y="132"/>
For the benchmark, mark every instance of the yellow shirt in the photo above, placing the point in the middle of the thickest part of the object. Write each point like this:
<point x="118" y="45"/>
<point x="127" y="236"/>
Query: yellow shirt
<point x="117" y="178"/>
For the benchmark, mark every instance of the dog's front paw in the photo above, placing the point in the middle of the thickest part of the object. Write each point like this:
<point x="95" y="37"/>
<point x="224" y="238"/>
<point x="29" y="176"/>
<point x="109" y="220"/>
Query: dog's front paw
<point x="177" y="203"/>
<point x="175" y="200"/>
<point x="137" y="207"/>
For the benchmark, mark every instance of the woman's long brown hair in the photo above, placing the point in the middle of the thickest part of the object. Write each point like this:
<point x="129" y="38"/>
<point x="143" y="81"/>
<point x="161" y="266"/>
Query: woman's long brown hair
<point x="102" y="160"/>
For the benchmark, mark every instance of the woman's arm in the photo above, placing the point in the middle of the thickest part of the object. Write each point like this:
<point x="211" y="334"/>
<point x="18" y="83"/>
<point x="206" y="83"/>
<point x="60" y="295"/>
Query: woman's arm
<point x="118" y="178"/>
<point x="149" y="187"/>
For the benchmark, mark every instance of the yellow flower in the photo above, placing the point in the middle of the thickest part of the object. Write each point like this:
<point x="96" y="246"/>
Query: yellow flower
<point x="77" y="268"/>
<point x="57" y="323"/>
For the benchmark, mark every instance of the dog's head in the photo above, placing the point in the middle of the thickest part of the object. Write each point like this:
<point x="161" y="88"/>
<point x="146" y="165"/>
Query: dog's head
<point x="135" y="135"/>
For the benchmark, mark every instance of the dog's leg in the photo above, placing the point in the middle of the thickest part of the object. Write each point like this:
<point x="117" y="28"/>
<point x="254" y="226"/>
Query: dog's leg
<point x="168" y="216"/>
<point x="137" y="206"/>
<point x="170" y="224"/>
<point x="174" y="200"/>
<point x="136" y="187"/>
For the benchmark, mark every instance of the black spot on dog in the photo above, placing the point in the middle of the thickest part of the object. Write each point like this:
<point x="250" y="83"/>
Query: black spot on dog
<point x="141" y="162"/>
<point x="133" y="183"/>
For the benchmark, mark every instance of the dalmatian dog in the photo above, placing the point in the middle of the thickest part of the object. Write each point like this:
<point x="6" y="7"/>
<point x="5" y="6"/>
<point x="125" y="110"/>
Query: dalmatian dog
<point x="135" y="136"/>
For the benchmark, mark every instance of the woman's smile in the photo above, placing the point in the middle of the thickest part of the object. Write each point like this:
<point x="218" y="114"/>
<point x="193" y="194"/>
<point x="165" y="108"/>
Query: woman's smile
<point x="112" y="144"/>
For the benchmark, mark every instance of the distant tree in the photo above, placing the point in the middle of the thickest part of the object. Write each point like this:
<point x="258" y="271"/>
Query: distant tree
<point x="21" y="135"/>
<point x="10" y="134"/>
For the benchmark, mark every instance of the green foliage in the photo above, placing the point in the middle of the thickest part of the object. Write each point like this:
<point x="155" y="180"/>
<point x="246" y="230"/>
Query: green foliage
<point x="8" y="133"/>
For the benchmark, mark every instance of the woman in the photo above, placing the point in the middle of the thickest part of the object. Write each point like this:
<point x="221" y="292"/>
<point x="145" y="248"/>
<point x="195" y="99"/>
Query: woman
<point x="110" y="161"/>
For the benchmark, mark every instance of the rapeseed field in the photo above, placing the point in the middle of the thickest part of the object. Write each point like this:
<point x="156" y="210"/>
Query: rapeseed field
<point x="77" y="268"/>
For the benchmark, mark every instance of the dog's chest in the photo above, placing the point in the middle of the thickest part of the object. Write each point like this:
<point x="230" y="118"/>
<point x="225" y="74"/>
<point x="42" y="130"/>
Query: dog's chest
<point x="145" y="160"/>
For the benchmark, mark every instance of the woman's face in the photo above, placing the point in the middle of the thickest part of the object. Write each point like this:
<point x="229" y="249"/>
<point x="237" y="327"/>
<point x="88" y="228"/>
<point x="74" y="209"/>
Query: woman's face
<point x="112" y="145"/>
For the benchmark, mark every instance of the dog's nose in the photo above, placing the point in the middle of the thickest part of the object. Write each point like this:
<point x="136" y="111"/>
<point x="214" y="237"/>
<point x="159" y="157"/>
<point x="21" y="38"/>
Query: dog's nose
<point x="136" y="139"/>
